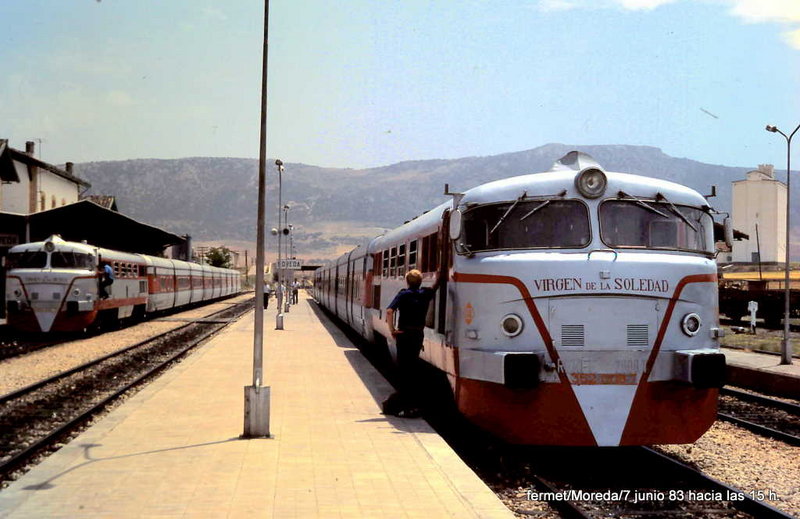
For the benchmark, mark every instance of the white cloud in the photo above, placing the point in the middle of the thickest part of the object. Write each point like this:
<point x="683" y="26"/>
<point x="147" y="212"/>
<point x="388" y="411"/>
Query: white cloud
<point x="643" y="5"/>
<point x="792" y="38"/>
<point x="760" y="11"/>
<point x="549" y="6"/>
<point x="214" y="13"/>
<point x="782" y="12"/>
<point x="119" y="98"/>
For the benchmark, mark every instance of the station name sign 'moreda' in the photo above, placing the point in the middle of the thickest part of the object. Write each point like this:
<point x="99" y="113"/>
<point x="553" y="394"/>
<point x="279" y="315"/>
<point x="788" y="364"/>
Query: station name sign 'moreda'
<point x="289" y="264"/>
<point x="583" y="285"/>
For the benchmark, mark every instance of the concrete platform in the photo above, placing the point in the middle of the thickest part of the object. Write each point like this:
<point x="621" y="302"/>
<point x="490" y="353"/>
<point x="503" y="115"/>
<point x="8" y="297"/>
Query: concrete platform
<point x="762" y="372"/>
<point x="173" y="450"/>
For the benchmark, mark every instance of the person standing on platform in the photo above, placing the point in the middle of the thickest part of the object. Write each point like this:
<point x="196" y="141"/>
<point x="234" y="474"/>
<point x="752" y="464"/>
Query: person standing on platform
<point x="295" y="292"/>
<point x="267" y="294"/>
<point x="412" y="303"/>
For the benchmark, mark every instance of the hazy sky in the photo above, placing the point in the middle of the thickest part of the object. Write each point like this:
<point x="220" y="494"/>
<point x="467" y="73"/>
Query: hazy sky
<point x="357" y="83"/>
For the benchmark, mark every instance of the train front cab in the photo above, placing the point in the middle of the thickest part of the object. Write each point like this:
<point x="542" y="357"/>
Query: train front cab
<point x="593" y="338"/>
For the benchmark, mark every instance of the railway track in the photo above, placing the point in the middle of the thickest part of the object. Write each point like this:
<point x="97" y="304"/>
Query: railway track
<point x="760" y="414"/>
<point x="13" y="344"/>
<point x="11" y="347"/>
<point x="35" y="418"/>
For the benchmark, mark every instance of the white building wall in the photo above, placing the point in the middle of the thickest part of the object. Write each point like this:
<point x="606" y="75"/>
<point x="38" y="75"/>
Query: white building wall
<point x="15" y="194"/>
<point x="760" y="200"/>
<point x="51" y="191"/>
<point x="57" y="190"/>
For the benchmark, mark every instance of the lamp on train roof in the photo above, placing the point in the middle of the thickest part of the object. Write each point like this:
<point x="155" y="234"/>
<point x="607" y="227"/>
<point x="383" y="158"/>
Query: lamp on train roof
<point x="786" y="347"/>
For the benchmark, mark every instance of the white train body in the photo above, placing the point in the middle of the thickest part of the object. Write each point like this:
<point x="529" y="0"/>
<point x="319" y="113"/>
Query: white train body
<point x="52" y="285"/>
<point x="563" y="319"/>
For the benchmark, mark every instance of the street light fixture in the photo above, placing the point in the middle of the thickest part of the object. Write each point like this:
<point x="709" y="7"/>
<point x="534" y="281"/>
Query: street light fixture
<point x="287" y="231"/>
<point x="279" y="296"/>
<point x="786" y="347"/>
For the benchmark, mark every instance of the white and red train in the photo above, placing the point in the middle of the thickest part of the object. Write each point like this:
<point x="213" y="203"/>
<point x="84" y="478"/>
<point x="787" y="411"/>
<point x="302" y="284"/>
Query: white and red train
<point x="576" y="307"/>
<point x="52" y="285"/>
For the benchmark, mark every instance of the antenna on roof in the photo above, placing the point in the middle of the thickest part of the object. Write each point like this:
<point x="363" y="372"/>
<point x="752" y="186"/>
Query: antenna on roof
<point x="456" y="196"/>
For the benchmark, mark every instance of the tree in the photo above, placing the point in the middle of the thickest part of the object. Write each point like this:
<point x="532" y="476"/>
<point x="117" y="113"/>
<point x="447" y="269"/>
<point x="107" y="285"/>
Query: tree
<point x="219" y="257"/>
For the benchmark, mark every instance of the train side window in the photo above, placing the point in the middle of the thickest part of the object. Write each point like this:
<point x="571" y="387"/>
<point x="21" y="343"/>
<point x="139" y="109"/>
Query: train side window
<point x="116" y="269"/>
<point x="412" y="254"/>
<point x="433" y="252"/>
<point x="385" y="263"/>
<point x="401" y="259"/>
<point x="393" y="262"/>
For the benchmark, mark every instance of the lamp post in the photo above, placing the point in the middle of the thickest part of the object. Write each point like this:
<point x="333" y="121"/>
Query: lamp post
<point x="286" y="230"/>
<point x="279" y="295"/>
<point x="256" y="397"/>
<point x="786" y="347"/>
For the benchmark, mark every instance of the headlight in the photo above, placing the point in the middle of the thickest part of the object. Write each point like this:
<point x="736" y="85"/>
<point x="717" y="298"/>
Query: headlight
<point x="591" y="182"/>
<point x="76" y="292"/>
<point x="691" y="324"/>
<point x="18" y="292"/>
<point x="49" y="246"/>
<point x="511" y="325"/>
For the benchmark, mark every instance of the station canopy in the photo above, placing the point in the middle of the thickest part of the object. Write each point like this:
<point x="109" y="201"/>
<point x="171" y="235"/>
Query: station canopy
<point x="101" y="227"/>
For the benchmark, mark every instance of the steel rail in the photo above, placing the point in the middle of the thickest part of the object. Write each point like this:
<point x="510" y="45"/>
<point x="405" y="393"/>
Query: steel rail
<point x="789" y="407"/>
<point x="11" y="352"/>
<point x="21" y="457"/>
<point x="748" y="505"/>
<point x="763" y="430"/>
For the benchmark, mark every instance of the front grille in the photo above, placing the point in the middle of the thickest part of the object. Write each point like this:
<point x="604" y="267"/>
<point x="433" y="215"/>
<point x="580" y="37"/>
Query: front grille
<point x="638" y="335"/>
<point x="572" y="335"/>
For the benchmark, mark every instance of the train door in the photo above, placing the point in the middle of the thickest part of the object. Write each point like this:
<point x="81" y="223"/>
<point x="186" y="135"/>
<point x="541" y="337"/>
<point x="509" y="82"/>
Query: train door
<point x="336" y="291"/>
<point x="445" y="260"/>
<point x="348" y="290"/>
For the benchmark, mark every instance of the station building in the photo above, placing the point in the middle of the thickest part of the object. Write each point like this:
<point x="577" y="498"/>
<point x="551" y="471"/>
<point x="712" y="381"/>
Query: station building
<point x="38" y="200"/>
<point x="759" y="210"/>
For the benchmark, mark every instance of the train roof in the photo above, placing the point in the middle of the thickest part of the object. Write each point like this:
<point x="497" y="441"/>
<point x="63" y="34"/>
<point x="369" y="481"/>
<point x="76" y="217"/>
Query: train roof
<point x="562" y="176"/>
<point x="559" y="179"/>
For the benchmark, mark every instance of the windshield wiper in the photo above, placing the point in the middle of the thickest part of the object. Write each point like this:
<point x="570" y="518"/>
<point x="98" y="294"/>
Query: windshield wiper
<point x="623" y="194"/>
<point x="535" y="209"/>
<point x="676" y="211"/>
<point x="505" y="215"/>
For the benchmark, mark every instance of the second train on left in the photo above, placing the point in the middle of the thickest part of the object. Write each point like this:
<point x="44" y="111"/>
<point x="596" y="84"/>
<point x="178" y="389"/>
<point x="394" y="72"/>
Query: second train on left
<point x="53" y="285"/>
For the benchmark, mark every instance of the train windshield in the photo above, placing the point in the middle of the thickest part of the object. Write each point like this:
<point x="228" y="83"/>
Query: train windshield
<point x="526" y="225"/>
<point x="71" y="260"/>
<point x="655" y="225"/>
<point x="26" y="260"/>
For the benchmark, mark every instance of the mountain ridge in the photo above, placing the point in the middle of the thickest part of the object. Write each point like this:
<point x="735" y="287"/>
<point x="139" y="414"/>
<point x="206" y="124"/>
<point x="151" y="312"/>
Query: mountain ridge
<point x="214" y="198"/>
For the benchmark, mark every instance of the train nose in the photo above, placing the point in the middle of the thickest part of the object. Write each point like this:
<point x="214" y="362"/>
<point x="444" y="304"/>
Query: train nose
<point x="45" y="300"/>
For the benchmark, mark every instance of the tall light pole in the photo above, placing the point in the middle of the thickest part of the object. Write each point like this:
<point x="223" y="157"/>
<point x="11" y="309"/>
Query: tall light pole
<point x="279" y="295"/>
<point x="256" y="397"/>
<point x="786" y="347"/>
<point x="287" y="230"/>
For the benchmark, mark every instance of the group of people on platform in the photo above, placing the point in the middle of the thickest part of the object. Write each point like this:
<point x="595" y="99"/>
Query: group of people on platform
<point x="290" y="291"/>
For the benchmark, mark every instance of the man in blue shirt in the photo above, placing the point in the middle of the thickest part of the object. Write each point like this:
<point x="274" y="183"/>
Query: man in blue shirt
<point x="412" y="303"/>
<point x="106" y="278"/>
